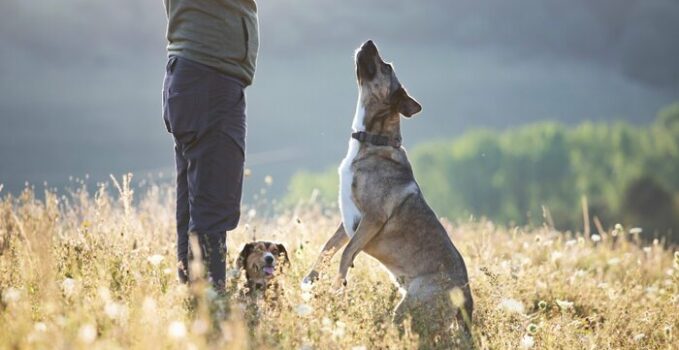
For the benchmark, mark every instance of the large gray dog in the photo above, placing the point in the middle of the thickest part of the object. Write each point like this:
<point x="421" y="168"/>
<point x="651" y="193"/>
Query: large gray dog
<point x="384" y="213"/>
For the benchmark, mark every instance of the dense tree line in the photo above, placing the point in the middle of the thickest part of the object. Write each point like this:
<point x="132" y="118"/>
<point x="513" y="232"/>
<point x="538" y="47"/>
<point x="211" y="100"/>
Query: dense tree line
<point x="627" y="173"/>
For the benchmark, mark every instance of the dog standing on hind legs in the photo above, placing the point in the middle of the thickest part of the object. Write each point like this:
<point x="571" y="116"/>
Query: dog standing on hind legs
<point x="385" y="214"/>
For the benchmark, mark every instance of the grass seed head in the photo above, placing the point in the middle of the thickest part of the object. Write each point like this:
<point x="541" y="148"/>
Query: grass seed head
<point x="87" y="333"/>
<point x="527" y="342"/>
<point x="176" y="330"/>
<point x="457" y="297"/>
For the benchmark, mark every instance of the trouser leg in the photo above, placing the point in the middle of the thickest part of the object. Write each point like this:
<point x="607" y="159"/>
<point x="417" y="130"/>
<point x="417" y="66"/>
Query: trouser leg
<point x="205" y="112"/>
<point x="182" y="215"/>
<point x="215" y="167"/>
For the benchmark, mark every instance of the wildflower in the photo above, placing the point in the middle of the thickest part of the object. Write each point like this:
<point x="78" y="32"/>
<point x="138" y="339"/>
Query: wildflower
<point x="155" y="260"/>
<point x="639" y="337"/>
<point x="306" y="296"/>
<point x="268" y="180"/>
<point x="571" y="242"/>
<point x="596" y="238"/>
<point x="112" y="310"/>
<point x="532" y="329"/>
<point x="527" y="342"/>
<point x="326" y="325"/>
<point x="68" y="286"/>
<point x="457" y="297"/>
<point x="149" y="306"/>
<point x="618" y="230"/>
<point x="556" y="256"/>
<point x="176" y="330"/>
<point x="512" y="305"/>
<point x="339" y="330"/>
<point x="40" y="326"/>
<point x="104" y="294"/>
<point x="304" y="310"/>
<point x="87" y="333"/>
<point x="613" y="261"/>
<point x="636" y="230"/>
<point x="252" y="213"/>
<point x="564" y="304"/>
<point x="542" y="305"/>
<point x="540" y="285"/>
<point x="167" y="271"/>
<point x="11" y="295"/>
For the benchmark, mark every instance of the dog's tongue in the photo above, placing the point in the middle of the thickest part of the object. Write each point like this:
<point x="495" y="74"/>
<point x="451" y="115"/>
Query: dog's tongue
<point x="268" y="270"/>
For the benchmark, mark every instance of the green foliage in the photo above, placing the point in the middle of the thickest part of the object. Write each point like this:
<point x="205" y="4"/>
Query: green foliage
<point x="669" y="116"/>
<point x="303" y="184"/>
<point x="625" y="171"/>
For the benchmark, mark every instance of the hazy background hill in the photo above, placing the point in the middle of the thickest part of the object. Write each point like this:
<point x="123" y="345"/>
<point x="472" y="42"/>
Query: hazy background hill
<point x="546" y="173"/>
<point x="80" y="80"/>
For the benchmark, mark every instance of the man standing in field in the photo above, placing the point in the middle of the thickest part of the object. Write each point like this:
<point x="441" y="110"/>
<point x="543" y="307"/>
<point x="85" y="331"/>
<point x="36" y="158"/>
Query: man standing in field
<point x="212" y="53"/>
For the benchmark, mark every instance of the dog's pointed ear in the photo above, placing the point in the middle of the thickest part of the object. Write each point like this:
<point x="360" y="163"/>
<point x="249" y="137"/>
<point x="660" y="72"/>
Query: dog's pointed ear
<point x="244" y="253"/>
<point x="284" y="252"/>
<point x="407" y="105"/>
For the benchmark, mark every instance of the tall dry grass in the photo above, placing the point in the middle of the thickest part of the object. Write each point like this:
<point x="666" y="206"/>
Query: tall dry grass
<point x="97" y="270"/>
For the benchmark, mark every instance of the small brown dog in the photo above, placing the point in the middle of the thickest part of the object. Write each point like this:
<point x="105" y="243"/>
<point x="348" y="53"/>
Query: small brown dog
<point x="260" y="260"/>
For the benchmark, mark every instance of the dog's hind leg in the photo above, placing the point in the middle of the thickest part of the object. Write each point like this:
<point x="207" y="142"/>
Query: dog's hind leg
<point x="337" y="241"/>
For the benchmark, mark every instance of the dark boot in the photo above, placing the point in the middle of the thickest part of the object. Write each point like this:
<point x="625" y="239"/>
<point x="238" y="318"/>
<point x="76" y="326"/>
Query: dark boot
<point x="213" y="252"/>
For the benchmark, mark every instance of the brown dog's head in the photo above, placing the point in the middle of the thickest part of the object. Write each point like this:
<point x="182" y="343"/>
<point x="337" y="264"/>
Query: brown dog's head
<point x="381" y="94"/>
<point x="260" y="260"/>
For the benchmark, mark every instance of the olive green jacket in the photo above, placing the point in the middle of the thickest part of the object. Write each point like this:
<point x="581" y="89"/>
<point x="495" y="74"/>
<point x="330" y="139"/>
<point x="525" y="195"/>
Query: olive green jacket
<point x="222" y="34"/>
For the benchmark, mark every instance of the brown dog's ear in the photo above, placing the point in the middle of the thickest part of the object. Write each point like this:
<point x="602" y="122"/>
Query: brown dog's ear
<point x="244" y="253"/>
<point x="407" y="105"/>
<point x="283" y="251"/>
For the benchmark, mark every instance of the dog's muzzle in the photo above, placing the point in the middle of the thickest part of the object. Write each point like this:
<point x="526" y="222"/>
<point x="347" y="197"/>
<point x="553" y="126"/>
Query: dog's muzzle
<point x="365" y="61"/>
<point x="269" y="268"/>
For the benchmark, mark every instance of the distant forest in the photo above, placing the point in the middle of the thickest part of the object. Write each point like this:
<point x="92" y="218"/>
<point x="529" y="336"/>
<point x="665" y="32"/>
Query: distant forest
<point x="628" y="174"/>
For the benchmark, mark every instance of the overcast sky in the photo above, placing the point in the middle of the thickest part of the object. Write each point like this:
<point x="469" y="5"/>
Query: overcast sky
<point x="80" y="80"/>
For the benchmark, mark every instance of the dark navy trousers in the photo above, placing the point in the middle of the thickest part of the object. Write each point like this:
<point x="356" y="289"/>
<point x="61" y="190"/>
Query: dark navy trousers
<point x="204" y="110"/>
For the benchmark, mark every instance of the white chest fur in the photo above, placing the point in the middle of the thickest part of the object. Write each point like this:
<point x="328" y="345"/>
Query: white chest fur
<point x="350" y="213"/>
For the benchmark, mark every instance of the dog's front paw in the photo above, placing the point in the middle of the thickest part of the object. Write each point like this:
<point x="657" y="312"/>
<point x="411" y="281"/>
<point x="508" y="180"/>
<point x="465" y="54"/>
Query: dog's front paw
<point x="340" y="283"/>
<point x="311" y="277"/>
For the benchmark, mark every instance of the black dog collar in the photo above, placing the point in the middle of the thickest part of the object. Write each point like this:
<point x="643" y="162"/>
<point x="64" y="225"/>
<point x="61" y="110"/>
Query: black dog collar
<point x="376" y="140"/>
